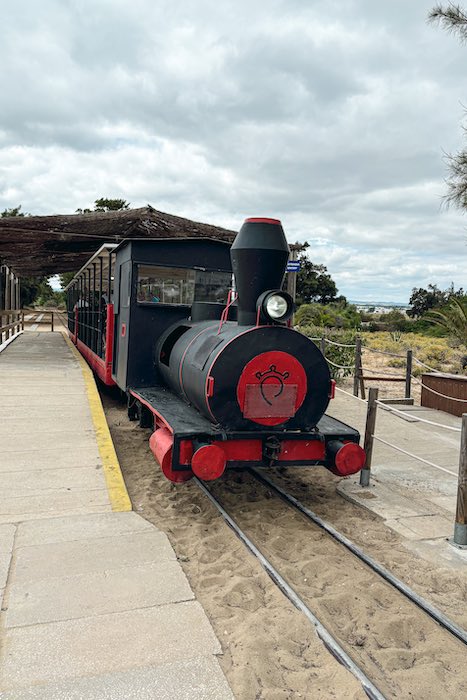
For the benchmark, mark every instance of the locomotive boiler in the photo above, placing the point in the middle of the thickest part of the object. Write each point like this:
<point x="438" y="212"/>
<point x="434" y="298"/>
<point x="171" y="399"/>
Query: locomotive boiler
<point x="217" y="372"/>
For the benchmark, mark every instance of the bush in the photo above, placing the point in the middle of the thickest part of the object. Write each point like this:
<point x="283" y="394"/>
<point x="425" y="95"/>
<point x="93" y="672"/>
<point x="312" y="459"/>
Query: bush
<point x="435" y="352"/>
<point x="328" y="316"/>
<point x="338" y="355"/>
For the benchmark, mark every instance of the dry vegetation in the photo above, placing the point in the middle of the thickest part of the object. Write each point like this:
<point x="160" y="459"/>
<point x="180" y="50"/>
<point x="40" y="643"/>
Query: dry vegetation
<point x="440" y="354"/>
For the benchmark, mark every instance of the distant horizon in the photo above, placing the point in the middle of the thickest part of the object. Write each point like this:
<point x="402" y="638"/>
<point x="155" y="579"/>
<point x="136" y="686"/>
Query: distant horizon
<point x="371" y="302"/>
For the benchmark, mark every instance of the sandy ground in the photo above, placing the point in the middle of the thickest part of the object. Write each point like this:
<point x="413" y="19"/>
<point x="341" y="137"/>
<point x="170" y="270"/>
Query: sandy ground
<point x="270" y="650"/>
<point x="376" y="365"/>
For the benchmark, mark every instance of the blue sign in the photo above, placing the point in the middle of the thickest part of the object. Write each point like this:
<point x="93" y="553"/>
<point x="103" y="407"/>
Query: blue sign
<point x="293" y="266"/>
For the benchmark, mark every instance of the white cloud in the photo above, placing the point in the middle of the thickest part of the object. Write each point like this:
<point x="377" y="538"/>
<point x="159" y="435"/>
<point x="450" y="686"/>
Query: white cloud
<point x="331" y="115"/>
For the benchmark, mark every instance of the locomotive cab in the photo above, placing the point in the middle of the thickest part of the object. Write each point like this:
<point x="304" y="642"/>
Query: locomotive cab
<point x="156" y="283"/>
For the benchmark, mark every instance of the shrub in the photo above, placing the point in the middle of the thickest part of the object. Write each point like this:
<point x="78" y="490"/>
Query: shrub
<point x="338" y="355"/>
<point x="328" y="316"/>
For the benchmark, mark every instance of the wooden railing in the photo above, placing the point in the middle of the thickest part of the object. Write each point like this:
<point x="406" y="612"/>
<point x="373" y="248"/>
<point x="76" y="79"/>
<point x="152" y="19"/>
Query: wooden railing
<point x="11" y="322"/>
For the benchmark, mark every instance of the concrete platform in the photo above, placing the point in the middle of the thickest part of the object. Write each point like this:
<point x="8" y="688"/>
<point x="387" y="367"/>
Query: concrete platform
<point x="416" y="500"/>
<point x="94" y="601"/>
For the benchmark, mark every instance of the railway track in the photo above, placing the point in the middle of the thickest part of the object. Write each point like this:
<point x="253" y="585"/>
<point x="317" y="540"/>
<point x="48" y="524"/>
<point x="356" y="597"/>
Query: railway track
<point x="397" y="601"/>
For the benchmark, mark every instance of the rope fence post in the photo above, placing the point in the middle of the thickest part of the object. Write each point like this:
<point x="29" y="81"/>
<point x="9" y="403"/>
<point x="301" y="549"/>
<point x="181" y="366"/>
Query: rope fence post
<point x="460" y="527"/>
<point x="22" y="321"/>
<point x="322" y="346"/>
<point x="408" y="375"/>
<point x="52" y="322"/>
<point x="358" y="364"/>
<point x="369" y="432"/>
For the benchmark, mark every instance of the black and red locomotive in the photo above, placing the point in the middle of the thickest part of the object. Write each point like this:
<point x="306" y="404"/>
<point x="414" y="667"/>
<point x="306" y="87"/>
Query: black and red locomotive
<point x="220" y="375"/>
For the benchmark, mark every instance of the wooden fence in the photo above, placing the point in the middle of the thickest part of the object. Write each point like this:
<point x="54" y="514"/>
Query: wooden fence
<point x="11" y="322"/>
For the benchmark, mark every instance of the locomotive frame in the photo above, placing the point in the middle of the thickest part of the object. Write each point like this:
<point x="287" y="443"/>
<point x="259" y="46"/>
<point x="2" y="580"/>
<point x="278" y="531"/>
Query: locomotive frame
<point x="153" y="316"/>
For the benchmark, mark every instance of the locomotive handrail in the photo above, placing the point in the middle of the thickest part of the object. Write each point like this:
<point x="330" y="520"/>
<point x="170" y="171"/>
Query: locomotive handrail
<point x="389" y="408"/>
<point x="410" y="454"/>
<point x="231" y="299"/>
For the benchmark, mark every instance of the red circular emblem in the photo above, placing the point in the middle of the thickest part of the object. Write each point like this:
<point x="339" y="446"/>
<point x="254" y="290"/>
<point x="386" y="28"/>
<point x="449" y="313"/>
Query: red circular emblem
<point x="271" y="388"/>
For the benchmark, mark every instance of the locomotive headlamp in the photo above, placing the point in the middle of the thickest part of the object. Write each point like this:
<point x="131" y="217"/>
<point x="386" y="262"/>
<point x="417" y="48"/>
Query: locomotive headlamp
<point x="276" y="305"/>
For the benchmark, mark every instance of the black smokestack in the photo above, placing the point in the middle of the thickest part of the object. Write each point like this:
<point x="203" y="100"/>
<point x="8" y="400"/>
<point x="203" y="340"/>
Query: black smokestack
<point x="259" y="257"/>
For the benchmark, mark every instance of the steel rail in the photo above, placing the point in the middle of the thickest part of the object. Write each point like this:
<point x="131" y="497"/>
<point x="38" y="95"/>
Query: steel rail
<point x="408" y="592"/>
<point x="326" y="637"/>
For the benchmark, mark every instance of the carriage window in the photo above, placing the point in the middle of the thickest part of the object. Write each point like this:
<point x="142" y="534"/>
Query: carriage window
<point x="173" y="285"/>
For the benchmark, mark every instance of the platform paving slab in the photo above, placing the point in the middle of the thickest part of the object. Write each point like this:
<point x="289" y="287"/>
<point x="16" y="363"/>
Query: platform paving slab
<point x="422" y="527"/>
<point x="69" y="510"/>
<point x="383" y="500"/>
<point x="36" y="482"/>
<point x="105" y="643"/>
<point x="80" y="527"/>
<point x="52" y="503"/>
<point x="46" y="436"/>
<point x="83" y="556"/>
<point x="193" y="679"/>
<point x="52" y="457"/>
<point x="96" y="593"/>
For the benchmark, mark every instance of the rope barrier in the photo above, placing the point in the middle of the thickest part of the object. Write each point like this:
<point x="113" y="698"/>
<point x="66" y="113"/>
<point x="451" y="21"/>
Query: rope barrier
<point x="383" y="352"/>
<point x="433" y="391"/>
<point x="420" y="420"/>
<point x="410" y="454"/>
<point x="386" y="374"/>
<point x="415" y="359"/>
<point x="339" y="366"/>
<point x="339" y="345"/>
<point x="352" y="395"/>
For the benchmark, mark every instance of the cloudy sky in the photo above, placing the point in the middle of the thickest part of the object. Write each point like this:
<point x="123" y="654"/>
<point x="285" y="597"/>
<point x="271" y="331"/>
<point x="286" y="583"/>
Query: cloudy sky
<point x="332" y="115"/>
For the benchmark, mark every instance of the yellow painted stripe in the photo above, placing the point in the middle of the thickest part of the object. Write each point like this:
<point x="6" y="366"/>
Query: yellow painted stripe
<point x="118" y="495"/>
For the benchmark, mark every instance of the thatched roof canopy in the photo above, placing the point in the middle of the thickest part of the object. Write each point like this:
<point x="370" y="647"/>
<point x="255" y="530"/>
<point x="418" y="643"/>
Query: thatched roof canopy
<point x="47" y="245"/>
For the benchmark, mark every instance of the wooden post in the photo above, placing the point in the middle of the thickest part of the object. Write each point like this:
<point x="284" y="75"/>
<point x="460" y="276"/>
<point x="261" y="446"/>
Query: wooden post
<point x="291" y="283"/>
<point x="7" y="300"/>
<point x="292" y="277"/>
<point x="460" y="527"/>
<point x="52" y="322"/>
<point x="408" y="375"/>
<point x="22" y="320"/>
<point x="358" y="372"/>
<point x="369" y="432"/>
<point x="322" y="346"/>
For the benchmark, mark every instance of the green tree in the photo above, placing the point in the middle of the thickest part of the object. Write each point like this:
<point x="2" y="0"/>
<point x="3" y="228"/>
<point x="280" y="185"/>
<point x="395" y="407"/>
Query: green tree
<point x="422" y="300"/>
<point x="453" y="318"/>
<point x="65" y="278"/>
<point x="104" y="204"/>
<point x="454" y="19"/>
<point x="314" y="283"/>
<point x="14" y="211"/>
<point x="30" y="288"/>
